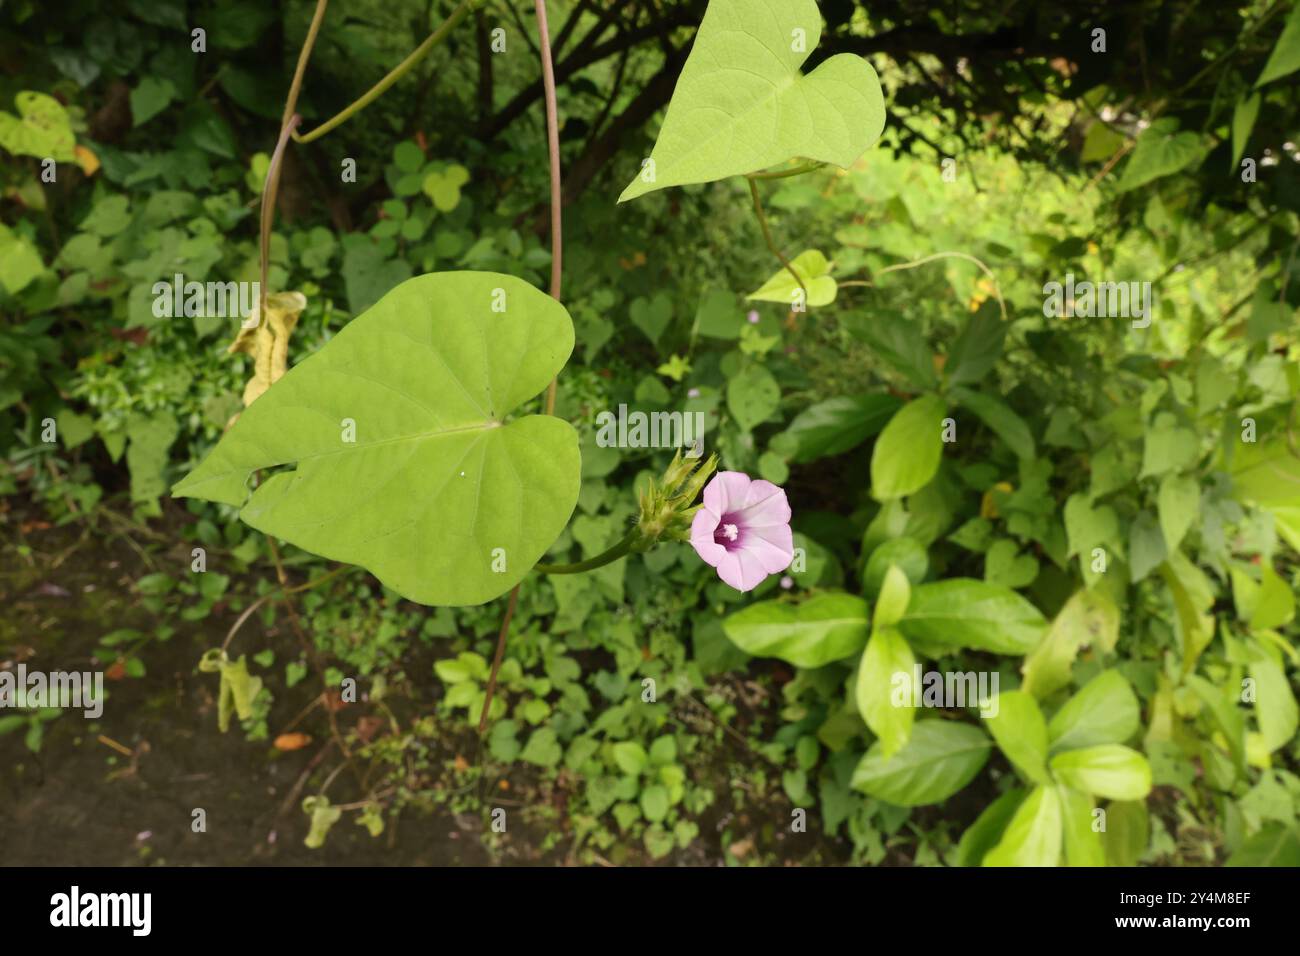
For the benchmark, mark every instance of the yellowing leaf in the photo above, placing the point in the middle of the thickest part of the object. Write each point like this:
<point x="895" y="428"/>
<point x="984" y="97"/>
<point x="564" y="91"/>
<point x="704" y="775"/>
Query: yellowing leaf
<point x="87" y="160"/>
<point x="268" y="342"/>
<point x="238" y="688"/>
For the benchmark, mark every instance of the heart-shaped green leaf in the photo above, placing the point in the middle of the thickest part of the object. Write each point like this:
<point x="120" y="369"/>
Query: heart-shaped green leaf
<point x="651" y="315"/>
<point x="741" y="104"/>
<point x="812" y="267"/>
<point x="1005" y="565"/>
<point x="40" y="129"/>
<point x="406" y="464"/>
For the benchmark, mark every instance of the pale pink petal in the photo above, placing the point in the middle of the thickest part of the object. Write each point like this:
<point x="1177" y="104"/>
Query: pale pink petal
<point x="771" y="557"/>
<point x="702" y="528"/>
<point x="765" y="506"/>
<point x="726" y="491"/>
<point x="741" y="570"/>
<point x="730" y="572"/>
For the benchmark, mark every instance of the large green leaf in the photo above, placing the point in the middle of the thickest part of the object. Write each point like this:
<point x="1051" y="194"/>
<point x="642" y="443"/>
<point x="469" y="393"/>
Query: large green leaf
<point x="827" y="627"/>
<point x="834" y="426"/>
<point x="437" y="494"/>
<point x="962" y="612"/>
<point x="1021" y="732"/>
<point x="940" y="758"/>
<point x="1033" y="837"/>
<point x="977" y="347"/>
<point x="887" y="660"/>
<point x="1108" y="770"/>
<point x="984" y="834"/>
<point x="741" y="104"/>
<point x="897" y="341"/>
<point x="908" y="451"/>
<point x="1083" y="843"/>
<point x="1105" y="711"/>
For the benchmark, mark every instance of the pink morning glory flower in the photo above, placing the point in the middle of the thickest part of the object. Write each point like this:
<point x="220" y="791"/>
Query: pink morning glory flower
<point x="743" y="529"/>
<point x="753" y="316"/>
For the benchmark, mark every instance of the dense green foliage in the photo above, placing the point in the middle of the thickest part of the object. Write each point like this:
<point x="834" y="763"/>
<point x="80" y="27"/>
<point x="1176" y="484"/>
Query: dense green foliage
<point x="1085" y="522"/>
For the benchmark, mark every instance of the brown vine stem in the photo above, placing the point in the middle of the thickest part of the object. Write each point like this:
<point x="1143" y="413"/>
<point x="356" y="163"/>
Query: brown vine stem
<point x="295" y="87"/>
<point x="289" y="121"/>
<point x="269" y="190"/>
<point x="767" y="236"/>
<point x="557" y="252"/>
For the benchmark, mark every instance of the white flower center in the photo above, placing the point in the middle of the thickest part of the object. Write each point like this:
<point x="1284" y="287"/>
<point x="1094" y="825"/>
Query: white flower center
<point x="730" y="532"/>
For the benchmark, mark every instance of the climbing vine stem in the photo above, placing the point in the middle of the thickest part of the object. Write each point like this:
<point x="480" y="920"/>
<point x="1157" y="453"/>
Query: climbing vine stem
<point x="557" y="249"/>
<point x="902" y="266"/>
<point x="767" y="235"/>
<point x="462" y="10"/>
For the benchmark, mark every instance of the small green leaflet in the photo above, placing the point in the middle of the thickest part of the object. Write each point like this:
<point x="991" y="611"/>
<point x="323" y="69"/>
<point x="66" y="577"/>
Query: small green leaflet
<point x="443" y="186"/>
<point x="812" y="267"/>
<point x="741" y="104"/>
<point x="406" y="464"/>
